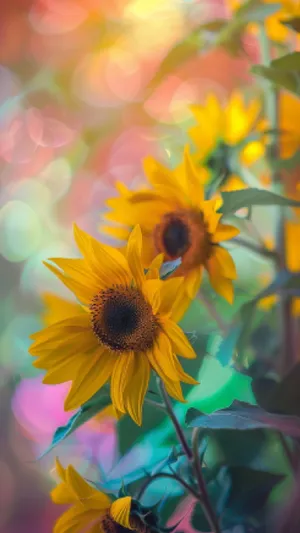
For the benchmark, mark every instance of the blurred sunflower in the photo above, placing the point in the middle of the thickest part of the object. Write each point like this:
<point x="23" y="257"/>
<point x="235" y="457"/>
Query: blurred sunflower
<point x="124" y="326"/>
<point x="94" y="511"/>
<point x="274" y="23"/>
<point x="178" y="222"/>
<point x="222" y="135"/>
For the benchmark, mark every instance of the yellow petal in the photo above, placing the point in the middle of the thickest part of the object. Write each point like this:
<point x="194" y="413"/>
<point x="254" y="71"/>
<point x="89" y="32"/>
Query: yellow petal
<point x="60" y="329"/>
<point x="82" y="292"/>
<point x="92" y="375"/>
<point x="134" y="255"/>
<point x="65" y="370"/>
<point x="195" y="187"/>
<point x="180" y="306"/>
<point x="154" y="267"/>
<point x="292" y="240"/>
<point x="222" y="286"/>
<point x="136" y="388"/>
<point x="192" y="282"/>
<point x="168" y="294"/>
<point x="161" y="176"/>
<point x="183" y="376"/>
<point x="61" y="471"/>
<point x="174" y="389"/>
<point x="180" y="343"/>
<point x="62" y="494"/>
<point x="86" y="494"/>
<point x="107" y="262"/>
<point x="161" y="357"/>
<point x="222" y="263"/>
<point x="224" y="232"/>
<point x="120" y="511"/>
<point x="122" y="371"/>
<point x="75" y="520"/>
<point x="152" y="292"/>
<point x="57" y="308"/>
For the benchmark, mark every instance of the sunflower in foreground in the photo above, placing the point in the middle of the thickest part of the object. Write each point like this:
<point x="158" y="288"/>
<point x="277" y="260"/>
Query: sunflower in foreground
<point x="125" y="325"/>
<point x="93" y="511"/>
<point x="221" y="137"/>
<point x="178" y="222"/>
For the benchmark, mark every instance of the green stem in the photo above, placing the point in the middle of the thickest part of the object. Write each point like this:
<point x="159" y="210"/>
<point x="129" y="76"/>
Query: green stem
<point x="194" y="460"/>
<point x="160" y="475"/>
<point x="253" y="247"/>
<point x="288" y="348"/>
<point x="205" y="501"/>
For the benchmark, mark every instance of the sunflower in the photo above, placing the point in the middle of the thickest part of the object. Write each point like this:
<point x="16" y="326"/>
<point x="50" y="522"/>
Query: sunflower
<point x="93" y="511"/>
<point x="125" y="325"/>
<point x="221" y="135"/>
<point x="274" y="23"/>
<point x="178" y="222"/>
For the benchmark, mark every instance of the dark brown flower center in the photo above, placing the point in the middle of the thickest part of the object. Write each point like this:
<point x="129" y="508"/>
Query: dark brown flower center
<point x="183" y="234"/>
<point x="110" y="526"/>
<point x="123" y="320"/>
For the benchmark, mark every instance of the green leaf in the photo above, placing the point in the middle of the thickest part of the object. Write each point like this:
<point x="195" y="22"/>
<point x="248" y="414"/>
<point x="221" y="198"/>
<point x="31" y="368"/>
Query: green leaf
<point x="279" y="397"/>
<point x="288" y="62"/>
<point x="243" y="417"/>
<point x="87" y="411"/>
<point x="251" y="197"/>
<point x="293" y="23"/>
<point x="284" y="71"/>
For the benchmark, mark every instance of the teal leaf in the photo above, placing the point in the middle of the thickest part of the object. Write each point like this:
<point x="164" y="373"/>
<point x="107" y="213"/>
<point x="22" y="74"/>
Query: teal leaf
<point x="251" y="197"/>
<point x="87" y="411"/>
<point x="169" y="267"/>
<point x="292" y="23"/>
<point x="256" y="11"/>
<point x="242" y="416"/>
<point x="227" y="346"/>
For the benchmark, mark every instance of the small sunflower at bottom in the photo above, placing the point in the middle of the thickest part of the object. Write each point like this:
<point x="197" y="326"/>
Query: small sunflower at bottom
<point x="93" y="511"/>
<point x="177" y="221"/>
<point x="124" y="326"/>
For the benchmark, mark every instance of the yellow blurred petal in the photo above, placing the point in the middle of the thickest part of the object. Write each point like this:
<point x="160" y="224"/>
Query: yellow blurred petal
<point x="154" y="267"/>
<point x="180" y="306"/>
<point x="92" y="375"/>
<point x="233" y="183"/>
<point x="134" y="255"/>
<point x="292" y="244"/>
<point x="152" y="292"/>
<point x="179" y="341"/>
<point x="168" y="294"/>
<point x="161" y="176"/>
<point x="221" y="263"/>
<point x="192" y="282"/>
<point x="252" y="152"/>
<point x="118" y="232"/>
<point x="224" y="232"/>
<point x="136" y="388"/>
<point x="222" y="286"/>
<point x="120" y="511"/>
<point x="196" y="189"/>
